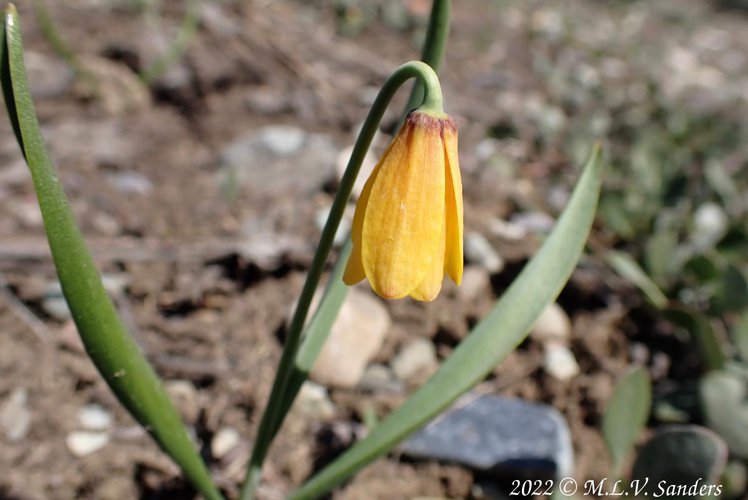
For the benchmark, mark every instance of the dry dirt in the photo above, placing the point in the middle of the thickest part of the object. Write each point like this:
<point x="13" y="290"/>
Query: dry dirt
<point x="202" y="311"/>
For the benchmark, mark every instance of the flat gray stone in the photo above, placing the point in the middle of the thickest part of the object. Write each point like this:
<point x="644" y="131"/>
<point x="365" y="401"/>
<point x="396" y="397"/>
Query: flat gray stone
<point x="498" y="435"/>
<point x="280" y="159"/>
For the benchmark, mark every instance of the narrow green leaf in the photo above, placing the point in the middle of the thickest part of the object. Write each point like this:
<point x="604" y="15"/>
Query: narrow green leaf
<point x="701" y="330"/>
<point x="626" y="415"/>
<point x="187" y="31"/>
<point x="732" y="294"/>
<point x="489" y="343"/>
<point x="627" y="268"/>
<point x="723" y="400"/>
<point x="113" y="351"/>
<point x="739" y="333"/>
<point x="660" y="253"/>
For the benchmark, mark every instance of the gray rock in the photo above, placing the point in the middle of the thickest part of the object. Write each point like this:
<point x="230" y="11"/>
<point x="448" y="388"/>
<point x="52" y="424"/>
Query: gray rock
<point x="533" y="222"/>
<point x="101" y="142"/>
<point x="279" y="159"/>
<point x="356" y="336"/>
<point x="480" y="251"/>
<point x="54" y="304"/>
<point x="129" y="182"/>
<point x="15" y="416"/>
<point x="507" y="230"/>
<point x="417" y="357"/>
<point x="267" y="247"/>
<point x="48" y="76"/>
<point x="498" y="435"/>
<point x="268" y="100"/>
<point x="380" y="379"/>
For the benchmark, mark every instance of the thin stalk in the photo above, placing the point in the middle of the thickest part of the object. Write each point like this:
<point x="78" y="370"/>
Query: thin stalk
<point x="55" y="40"/>
<point x="433" y="48"/>
<point x="317" y="332"/>
<point x="273" y="412"/>
<point x="187" y="31"/>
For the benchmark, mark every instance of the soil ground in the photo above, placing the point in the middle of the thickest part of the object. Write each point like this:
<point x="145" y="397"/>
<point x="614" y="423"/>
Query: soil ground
<point x="207" y="315"/>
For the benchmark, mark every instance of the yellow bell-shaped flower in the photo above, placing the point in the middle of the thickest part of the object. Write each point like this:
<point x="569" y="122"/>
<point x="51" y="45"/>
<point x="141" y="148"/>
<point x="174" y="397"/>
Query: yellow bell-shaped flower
<point x="407" y="229"/>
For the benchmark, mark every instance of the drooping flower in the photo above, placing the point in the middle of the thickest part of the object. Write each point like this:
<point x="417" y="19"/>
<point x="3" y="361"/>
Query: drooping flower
<point x="407" y="228"/>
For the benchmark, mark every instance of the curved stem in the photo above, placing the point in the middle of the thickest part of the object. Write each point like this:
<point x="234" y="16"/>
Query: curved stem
<point x="433" y="47"/>
<point x="274" y="414"/>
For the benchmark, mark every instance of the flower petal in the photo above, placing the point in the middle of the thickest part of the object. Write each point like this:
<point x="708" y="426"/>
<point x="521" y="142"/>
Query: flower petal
<point x="405" y="211"/>
<point x="453" y="260"/>
<point x="431" y="285"/>
<point x="354" y="269"/>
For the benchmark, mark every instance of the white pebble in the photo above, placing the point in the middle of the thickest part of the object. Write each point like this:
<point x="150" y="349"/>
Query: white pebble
<point x="83" y="443"/>
<point x="94" y="418"/>
<point x="560" y="362"/>
<point x="225" y="440"/>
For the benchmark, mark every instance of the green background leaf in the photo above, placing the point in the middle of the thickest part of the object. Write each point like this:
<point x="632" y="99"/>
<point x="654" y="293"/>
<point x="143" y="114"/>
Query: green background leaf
<point x="626" y="415"/>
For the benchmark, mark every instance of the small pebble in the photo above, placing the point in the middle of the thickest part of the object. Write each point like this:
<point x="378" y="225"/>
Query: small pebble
<point x="507" y="230"/>
<point x="83" y="443"/>
<point x="94" y="418"/>
<point x="560" y="363"/>
<point x="533" y="222"/>
<point x="314" y="402"/>
<point x="184" y="396"/>
<point x="131" y="183"/>
<point x="552" y="324"/>
<point x="225" y="440"/>
<point x="357" y="335"/>
<point x="476" y="283"/>
<point x="15" y="416"/>
<point x="710" y="225"/>
<point x="415" y="358"/>
<point x="380" y="379"/>
<point x="283" y="140"/>
<point x="479" y="250"/>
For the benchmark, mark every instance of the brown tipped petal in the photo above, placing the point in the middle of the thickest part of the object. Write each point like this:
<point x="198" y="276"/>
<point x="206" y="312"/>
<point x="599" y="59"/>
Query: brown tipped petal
<point x="405" y="212"/>
<point x="453" y="261"/>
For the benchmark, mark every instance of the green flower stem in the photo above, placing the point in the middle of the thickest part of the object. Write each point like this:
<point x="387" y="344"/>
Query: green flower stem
<point x="107" y="342"/>
<point x="273" y="416"/>
<point x="317" y="330"/>
<point x="433" y="47"/>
